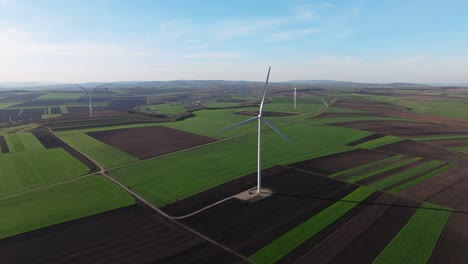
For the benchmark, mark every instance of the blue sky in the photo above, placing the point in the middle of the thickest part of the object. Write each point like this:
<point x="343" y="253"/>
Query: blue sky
<point x="362" y="40"/>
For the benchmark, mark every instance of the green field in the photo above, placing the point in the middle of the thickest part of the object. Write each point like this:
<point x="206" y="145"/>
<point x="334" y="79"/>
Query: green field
<point x="418" y="238"/>
<point x="421" y="179"/>
<point x="399" y="177"/>
<point x="384" y="169"/>
<point x="365" y="166"/>
<point x="59" y="203"/>
<point x="298" y="235"/>
<point x="60" y="96"/>
<point x="379" y="142"/>
<point x="102" y="153"/>
<point x="446" y="108"/>
<point x="22" y="142"/>
<point x="165" y="179"/>
<point x="28" y="169"/>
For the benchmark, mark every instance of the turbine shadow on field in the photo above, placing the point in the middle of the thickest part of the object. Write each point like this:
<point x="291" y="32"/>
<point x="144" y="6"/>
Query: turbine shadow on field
<point x="363" y="202"/>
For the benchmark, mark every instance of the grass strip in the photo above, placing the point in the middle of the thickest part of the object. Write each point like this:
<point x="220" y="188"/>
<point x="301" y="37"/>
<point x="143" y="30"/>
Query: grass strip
<point x="394" y="179"/>
<point x="365" y="166"/>
<point x="421" y="179"/>
<point x="385" y="169"/>
<point x="379" y="142"/>
<point x="301" y="233"/>
<point x="417" y="239"/>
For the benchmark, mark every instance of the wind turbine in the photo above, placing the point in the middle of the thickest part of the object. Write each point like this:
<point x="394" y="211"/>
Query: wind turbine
<point x="89" y="96"/>
<point x="294" y="97"/>
<point x="260" y="118"/>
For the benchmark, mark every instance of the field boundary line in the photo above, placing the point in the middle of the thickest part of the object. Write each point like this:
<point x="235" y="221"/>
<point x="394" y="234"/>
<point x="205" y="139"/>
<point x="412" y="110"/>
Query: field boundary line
<point x="159" y="211"/>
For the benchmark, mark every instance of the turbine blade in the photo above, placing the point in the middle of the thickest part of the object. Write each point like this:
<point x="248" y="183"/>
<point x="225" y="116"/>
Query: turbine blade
<point x="264" y="92"/>
<point x="278" y="131"/>
<point x="242" y="123"/>
<point x="86" y="90"/>
<point x="98" y="87"/>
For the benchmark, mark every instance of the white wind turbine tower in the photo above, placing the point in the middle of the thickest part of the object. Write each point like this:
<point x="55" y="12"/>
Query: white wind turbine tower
<point x="89" y="96"/>
<point x="260" y="118"/>
<point x="294" y="97"/>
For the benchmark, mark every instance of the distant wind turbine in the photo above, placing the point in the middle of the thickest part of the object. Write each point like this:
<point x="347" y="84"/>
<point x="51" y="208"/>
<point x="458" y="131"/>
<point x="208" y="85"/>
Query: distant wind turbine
<point x="294" y="97"/>
<point x="260" y="118"/>
<point x="89" y="96"/>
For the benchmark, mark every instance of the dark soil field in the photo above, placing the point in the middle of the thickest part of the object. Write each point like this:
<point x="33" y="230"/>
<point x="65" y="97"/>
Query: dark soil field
<point x="126" y="103"/>
<point x="19" y="97"/>
<point x="367" y="169"/>
<point x="391" y="172"/>
<point x="55" y="110"/>
<point x="419" y="149"/>
<point x="342" y="161"/>
<point x="8" y="115"/>
<point x="147" y="142"/>
<point x="360" y="238"/>
<point x="452" y="246"/>
<point x="75" y="121"/>
<point x="32" y="114"/>
<point x="449" y="143"/>
<point x="449" y="188"/>
<point x="344" y="114"/>
<point x="247" y="227"/>
<point x="50" y="141"/>
<point x="78" y="109"/>
<point x="366" y="139"/>
<point x="3" y="145"/>
<point x="126" y="235"/>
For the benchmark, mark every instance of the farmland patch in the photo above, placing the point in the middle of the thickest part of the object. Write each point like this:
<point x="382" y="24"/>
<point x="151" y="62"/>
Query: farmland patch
<point x="126" y="235"/>
<point x="342" y="161"/>
<point x="147" y="142"/>
<point x="59" y="203"/>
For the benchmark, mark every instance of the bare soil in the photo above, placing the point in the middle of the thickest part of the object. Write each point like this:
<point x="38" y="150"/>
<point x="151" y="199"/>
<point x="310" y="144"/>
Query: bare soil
<point x="366" y="139"/>
<point x="452" y="246"/>
<point x="383" y="175"/>
<point x="342" y="161"/>
<point x="413" y="148"/>
<point x="247" y="227"/>
<point x="125" y="235"/>
<point x="147" y="142"/>
<point x="345" y="240"/>
<point x="448" y="188"/>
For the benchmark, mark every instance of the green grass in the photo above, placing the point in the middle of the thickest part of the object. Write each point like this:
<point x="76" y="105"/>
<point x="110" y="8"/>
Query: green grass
<point x="50" y="116"/>
<point x="421" y="179"/>
<point x="365" y="166"/>
<point x="165" y="179"/>
<point x="461" y="149"/>
<point x="60" y="96"/>
<point x="394" y="179"/>
<point x="59" y="203"/>
<point x="286" y="243"/>
<point x="63" y="109"/>
<point x="22" y="142"/>
<point x="102" y="153"/>
<point x="25" y="170"/>
<point x="222" y="104"/>
<point x="385" y="169"/>
<point x="427" y="138"/>
<point x="417" y="239"/>
<point x="446" y="108"/>
<point x="379" y="142"/>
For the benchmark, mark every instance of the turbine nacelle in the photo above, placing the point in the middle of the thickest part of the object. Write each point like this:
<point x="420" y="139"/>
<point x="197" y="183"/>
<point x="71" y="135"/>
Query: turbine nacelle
<point x="260" y="118"/>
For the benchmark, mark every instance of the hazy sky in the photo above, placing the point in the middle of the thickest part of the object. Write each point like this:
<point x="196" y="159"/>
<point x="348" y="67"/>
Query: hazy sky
<point x="368" y="40"/>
